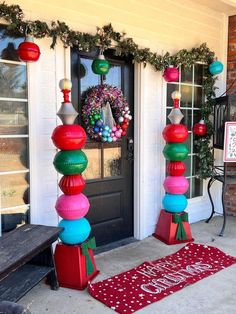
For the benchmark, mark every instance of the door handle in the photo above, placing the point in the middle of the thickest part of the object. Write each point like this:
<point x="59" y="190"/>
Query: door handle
<point x="130" y="149"/>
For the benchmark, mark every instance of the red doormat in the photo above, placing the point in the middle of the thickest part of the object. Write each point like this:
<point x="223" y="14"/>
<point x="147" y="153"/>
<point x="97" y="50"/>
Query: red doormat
<point x="151" y="281"/>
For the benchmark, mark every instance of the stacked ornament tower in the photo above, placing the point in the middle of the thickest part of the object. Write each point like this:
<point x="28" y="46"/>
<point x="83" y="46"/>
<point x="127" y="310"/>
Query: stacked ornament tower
<point x="173" y="226"/>
<point x="74" y="259"/>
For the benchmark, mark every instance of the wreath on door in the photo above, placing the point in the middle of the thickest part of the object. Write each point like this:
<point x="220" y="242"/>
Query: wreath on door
<point x="105" y="113"/>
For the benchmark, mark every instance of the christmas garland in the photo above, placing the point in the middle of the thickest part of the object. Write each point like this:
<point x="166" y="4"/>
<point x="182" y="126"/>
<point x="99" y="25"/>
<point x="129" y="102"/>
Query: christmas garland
<point x="106" y="97"/>
<point x="105" y="38"/>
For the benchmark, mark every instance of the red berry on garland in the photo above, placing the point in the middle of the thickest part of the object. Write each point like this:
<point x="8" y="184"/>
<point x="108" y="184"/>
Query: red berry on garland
<point x="200" y="128"/>
<point x="28" y="51"/>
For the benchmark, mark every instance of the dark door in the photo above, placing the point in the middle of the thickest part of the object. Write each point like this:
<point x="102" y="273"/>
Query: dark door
<point x="109" y="175"/>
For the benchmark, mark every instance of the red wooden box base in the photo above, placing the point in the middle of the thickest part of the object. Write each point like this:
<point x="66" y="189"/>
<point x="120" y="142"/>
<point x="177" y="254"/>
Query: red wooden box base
<point x="71" y="266"/>
<point x="166" y="229"/>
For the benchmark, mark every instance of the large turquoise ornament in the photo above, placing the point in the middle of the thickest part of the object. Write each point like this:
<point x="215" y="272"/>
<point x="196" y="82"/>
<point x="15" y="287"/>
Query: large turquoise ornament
<point x="75" y="231"/>
<point x="100" y="65"/>
<point x="175" y="151"/>
<point x="216" y="67"/>
<point x="69" y="162"/>
<point x="174" y="203"/>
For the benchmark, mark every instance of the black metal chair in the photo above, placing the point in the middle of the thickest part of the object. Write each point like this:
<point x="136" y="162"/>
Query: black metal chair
<point x="224" y="110"/>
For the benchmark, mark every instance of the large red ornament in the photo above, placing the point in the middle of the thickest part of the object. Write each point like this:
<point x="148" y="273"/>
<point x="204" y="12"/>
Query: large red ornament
<point x="200" y="128"/>
<point x="28" y="51"/>
<point x="171" y="74"/>
<point x="69" y="137"/>
<point x="176" y="168"/>
<point x="72" y="184"/>
<point x="175" y="133"/>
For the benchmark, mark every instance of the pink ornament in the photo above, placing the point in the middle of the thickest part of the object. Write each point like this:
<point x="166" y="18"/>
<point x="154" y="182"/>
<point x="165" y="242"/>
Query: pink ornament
<point x="171" y="74"/>
<point x="72" y="207"/>
<point x="118" y="134"/>
<point x="114" y="129"/>
<point x="112" y="134"/>
<point x="114" y="139"/>
<point x="176" y="185"/>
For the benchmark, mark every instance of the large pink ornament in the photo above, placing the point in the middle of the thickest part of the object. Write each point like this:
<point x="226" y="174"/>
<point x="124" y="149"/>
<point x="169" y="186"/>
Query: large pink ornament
<point x="72" y="207"/>
<point x="176" y="185"/>
<point x="171" y="74"/>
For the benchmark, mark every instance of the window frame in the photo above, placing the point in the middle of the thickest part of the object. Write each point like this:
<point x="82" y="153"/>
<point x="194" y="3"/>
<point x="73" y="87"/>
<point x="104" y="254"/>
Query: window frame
<point x="191" y="108"/>
<point x="26" y="135"/>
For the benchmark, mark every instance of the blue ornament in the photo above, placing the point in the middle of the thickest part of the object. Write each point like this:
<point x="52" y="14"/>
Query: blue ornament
<point x="96" y="129"/>
<point x="174" y="203"/>
<point x="99" y="123"/>
<point x="104" y="139"/>
<point x="109" y="139"/>
<point x="216" y="67"/>
<point x="75" y="231"/>
<point x="105" y="133"/>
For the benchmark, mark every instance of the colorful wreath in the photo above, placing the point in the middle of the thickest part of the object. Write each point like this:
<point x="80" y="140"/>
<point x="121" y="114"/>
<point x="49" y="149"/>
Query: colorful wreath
<point x="105" y="113"/>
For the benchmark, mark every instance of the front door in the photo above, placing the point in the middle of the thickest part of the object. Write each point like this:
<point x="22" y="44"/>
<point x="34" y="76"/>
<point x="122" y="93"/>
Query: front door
<point x="109" y="175"/>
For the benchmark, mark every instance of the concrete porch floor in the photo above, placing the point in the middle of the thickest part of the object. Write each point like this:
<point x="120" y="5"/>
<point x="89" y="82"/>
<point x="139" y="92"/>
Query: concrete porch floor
<point x="215" y="294"/>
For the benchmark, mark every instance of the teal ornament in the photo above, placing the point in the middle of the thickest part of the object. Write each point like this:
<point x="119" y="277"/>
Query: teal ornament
<point x="105" y="133"/>
<point x="69" y="162"/>
<point x="100" y="65"/>
<point x="104" y="139"/>
<point x="216" y="67"/>
<point x="174" y="203"/>
<point x="106" y="128"/>
<point x="109" y="139"/>
<point x="75" y="231"/>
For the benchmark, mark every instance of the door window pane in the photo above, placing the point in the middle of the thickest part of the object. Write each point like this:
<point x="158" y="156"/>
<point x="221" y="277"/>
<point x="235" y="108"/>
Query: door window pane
<point x="113" y="77"/>
<point x="186" y="96"/>
<point x="186" y="74"/>
<point x="93" y="170"/>
<point x="13" y="117"/>
<point x="88" y="78"/>
<point x="112" y="162"/>
<point x="13" y="80"/>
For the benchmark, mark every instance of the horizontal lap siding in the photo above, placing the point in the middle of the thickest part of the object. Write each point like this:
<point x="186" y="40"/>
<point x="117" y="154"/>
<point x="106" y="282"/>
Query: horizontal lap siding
<point x="161" y="25"/>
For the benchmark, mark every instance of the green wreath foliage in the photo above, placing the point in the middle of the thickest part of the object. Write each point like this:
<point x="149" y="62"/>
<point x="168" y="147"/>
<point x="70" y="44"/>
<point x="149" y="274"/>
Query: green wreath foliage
<point x="105" y="38"/>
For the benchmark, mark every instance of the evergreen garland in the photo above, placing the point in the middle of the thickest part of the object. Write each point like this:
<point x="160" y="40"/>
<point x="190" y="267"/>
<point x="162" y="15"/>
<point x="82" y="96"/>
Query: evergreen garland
<point x="105" y="38"/>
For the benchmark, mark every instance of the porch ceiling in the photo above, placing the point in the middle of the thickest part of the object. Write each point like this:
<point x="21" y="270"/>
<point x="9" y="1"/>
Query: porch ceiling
<point x="225" y="6"/>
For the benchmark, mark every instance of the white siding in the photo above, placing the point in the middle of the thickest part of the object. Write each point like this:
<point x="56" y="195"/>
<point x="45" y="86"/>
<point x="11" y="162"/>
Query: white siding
<point x="161" y="25"/>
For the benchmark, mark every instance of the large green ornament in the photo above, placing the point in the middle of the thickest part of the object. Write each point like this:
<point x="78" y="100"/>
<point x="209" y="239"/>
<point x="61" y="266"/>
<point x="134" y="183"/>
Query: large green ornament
<point x="70" y="162"/>
<point x="100" y="66"/>
<point x="175" y="151"/>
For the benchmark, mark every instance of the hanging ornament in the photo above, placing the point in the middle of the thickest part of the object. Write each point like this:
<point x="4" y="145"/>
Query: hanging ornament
<point x="200" y="128"/>
<point x="28" y="51"/>
<point x="216" y="67"/>
<point x="100" y="65"/>
<point x="171" y="74"/>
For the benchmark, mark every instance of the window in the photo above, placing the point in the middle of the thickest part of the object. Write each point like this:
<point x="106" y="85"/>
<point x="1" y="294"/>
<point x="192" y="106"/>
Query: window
<point x="192" y="97"/>
<point x="14" y="136"/>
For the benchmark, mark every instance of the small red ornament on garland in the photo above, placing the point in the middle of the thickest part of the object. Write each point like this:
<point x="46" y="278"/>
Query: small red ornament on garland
<point x="200" y="128"/>
<point x="28" y="51"/>
<point x="171" y="74"/>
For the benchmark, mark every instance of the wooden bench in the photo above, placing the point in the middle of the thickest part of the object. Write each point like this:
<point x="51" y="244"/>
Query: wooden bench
<point x="26" y="257"/>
